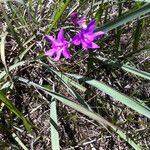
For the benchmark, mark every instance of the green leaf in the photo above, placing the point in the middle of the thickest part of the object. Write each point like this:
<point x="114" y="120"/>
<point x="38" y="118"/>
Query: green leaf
<point x="125" y="18"/>
<point x="65" y="78"/>
<point x="25" y="51"/>
<point x="2" y="54"/>
<point x="19" y="141"/>
<point x="125" y="67"/>
<point x="66" y="81"/>
<point x="82" y="110"/>
<point x="58" y="15"/>
<point x="2" y="48"/>
<point x="14" y="110"/>
<point x="12" y="30"/>
<point x="148" y="1"/>
<point x="19" y="1"/>
<point x="54" y="126"/>
<point x="70" y="81"/>
<point x="3" y="73"/>
<point x="124" y="99"/>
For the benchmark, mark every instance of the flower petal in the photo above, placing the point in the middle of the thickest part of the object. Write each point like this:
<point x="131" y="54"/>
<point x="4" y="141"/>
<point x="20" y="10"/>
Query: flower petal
<point x="91" y="26"/>
<point x="50" y="52"/>
<point x="84" y="45"/>
<point x="60" y="36"/>
<point x="58" y="55"/>
<point x="74" y="17"/>
<point x="99" y="34"/>
<point x="76" y="39"/>
<point x="82" y="22"/>
<point x="51" y="39"/>
<point x="66" y="53"/>
<point x="92" y="45"/>
<point x="88" y="37"/>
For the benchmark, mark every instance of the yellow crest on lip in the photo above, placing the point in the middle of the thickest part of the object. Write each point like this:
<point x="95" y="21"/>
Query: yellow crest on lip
<point x="84" y="25"/>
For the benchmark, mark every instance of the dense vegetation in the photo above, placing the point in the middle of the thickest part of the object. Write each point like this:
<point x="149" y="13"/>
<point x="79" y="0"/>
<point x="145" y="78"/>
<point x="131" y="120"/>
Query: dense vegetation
<point x="74" y="74"/>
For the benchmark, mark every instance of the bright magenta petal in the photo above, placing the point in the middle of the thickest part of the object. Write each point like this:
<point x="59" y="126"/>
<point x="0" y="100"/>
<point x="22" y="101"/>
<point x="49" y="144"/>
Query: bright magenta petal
<point x="82" y="22"/>
<point x="92" y="45"/>
<point x="76" y="40"/>
<point x="66" y="53"/>
<point x="91" y="26"/>
<point x="58" y="55"/>
<point x="61" y="35"/>
<point x="84" y="45"/>
<point x="99" y="34"/>
<point x="51" y="39"/>
<point x="50" y="52"/>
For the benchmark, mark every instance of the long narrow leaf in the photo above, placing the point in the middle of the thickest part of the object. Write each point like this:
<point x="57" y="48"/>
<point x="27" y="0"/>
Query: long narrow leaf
<point x="14" y="110"/>
<point x="54" y="124"/>
<point x="126" y="18"/>
<point x="125" y="67"/>
<point x="2" y="54"/>
<point x="13" y="32"/>
<point x="19" y="1"/>
<point x="82" y="110"/>
<point x="148" y="1"/>
<point x="65" y="81"/>
<point x="3" y="73"/>
<point x="19" y="141"/>
<point x="65" y="78"/>
<point x="58" y="15"/>
<point x="130" y="102"/>
<point x="2" y="49"/>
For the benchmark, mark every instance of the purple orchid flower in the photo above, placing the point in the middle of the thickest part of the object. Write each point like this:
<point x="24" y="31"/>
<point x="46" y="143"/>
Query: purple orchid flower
<point x="82" y="23"/>
<point x="86" y="36"/>
<point x="59" y="46"/>
<point x="78" y="22"/>
<point x="74" y="18"/>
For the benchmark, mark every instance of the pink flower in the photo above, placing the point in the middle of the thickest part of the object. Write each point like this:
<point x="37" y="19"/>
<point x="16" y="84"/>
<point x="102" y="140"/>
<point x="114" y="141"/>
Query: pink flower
<point x="78" y="22"/>
<point x="87" y="36"/>
<point x="74" y="18"/>
<point x="59" y="46"/>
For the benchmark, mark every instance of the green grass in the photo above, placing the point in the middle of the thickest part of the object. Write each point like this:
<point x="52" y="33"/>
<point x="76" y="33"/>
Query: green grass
<point x="107" y="87"/>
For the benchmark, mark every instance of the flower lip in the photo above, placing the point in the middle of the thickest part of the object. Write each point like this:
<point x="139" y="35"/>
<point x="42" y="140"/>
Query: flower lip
<point x="81" y="22"/>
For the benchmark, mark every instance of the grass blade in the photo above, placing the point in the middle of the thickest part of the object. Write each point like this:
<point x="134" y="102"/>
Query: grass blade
<point x="3" y="73"/>
<point x="137" y="33"/>
<point x="148" y="1"/>
<point x="15" y="110"/>
<point x="2" y="49"/>
<point x="25" y="51"/>
<point x="65" y="78"/>
<point x="82" y="110"/>
<point x="71" y="82"/>
<point x="2" y="54"/>
<point x="19" y="141"/>
<point x="13" y="32"/>
<point x="125" y="18"/>
<point x="19" y="1"/>
<point x="130" y="102"/>
<point x="65" y="81"/>
<point x="127" y="68"/>
<point x="58" y="15"/>
<point x="54" y="126"/>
